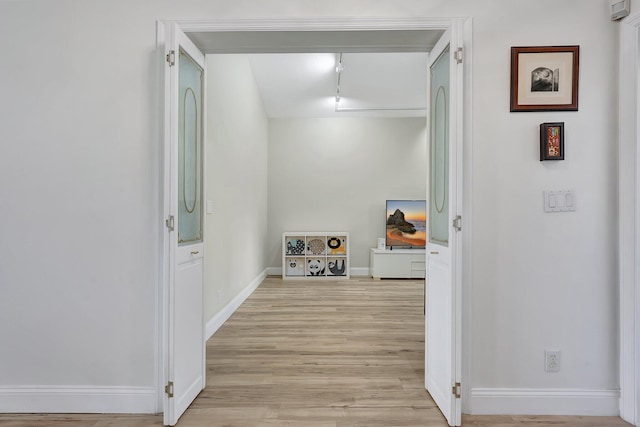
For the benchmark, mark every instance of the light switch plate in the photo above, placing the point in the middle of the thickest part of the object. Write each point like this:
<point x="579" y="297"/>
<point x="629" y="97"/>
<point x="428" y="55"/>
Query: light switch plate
<point x="559" y="201"/>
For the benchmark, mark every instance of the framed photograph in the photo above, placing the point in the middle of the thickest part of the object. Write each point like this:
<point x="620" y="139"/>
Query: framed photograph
<point x="544" y="78"/>
<point x="552" y="141"/>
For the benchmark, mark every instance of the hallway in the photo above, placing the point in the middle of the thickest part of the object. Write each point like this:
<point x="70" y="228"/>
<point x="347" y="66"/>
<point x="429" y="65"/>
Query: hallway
<point x="320" y="354"/>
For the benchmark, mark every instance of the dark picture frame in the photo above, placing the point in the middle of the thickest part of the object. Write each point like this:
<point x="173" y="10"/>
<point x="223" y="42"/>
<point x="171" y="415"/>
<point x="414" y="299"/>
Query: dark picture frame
<point x="552" y="141"/>
<point x="544" y="78"/>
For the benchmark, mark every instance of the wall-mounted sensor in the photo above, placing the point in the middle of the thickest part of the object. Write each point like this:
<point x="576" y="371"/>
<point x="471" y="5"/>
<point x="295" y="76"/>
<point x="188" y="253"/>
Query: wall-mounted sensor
<point x="619" y="9"/>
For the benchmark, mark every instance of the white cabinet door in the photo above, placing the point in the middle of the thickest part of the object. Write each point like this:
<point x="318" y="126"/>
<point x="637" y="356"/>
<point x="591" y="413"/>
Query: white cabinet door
<point x="397" y="266"/>
<point x="185" y="352"/>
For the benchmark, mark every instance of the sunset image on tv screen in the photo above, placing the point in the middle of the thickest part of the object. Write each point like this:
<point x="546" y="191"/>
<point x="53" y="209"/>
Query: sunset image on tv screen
<point x="406" y="223"/>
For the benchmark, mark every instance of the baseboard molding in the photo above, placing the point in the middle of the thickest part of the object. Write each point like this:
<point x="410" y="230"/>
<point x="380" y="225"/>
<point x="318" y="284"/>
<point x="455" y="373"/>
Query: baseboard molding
<point x="360" y="271"/>
<point x="274" y="271"/>
<point x="520" y="401"/>
<point x="223" y="315"/>
<point x="355" y="271"/>
<point x="74" y="400"/>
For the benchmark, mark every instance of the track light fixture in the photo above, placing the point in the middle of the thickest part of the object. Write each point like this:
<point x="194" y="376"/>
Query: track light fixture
<point x="345" y="108"/>
<point x="339" y="70"/>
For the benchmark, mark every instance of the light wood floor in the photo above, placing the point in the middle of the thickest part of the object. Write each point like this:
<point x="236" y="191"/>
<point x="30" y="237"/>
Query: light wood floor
<point x="301" y="354"/>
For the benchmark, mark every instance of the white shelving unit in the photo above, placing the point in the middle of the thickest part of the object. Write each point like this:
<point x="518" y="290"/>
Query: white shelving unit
<point x="315" y="255"/>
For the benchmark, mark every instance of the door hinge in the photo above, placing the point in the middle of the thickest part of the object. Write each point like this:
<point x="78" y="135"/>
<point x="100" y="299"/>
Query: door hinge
<point x="171" y="58"/>
<point x="170" y="223"/>
<point x="169" y="389"/>
<point x="458" y="55"/>
<point x="457" y="223"/>
<point x="456" y="390"/>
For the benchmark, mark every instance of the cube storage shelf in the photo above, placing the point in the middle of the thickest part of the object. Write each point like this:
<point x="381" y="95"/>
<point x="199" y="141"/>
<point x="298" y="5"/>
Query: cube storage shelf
<point x="315" y="255"/>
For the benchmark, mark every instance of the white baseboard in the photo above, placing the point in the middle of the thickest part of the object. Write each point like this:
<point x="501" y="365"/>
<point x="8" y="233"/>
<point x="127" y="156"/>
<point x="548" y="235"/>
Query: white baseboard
<point x="74" y="400"/>
<point x="360" y="271"/>
<point x="355" y="271"/>
<point x="274" y="271"/>
<point x="520" y="401"/>
<point x="223" y="315"/>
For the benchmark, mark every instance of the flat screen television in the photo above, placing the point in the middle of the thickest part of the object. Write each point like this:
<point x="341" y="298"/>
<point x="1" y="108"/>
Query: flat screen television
<point x="406" y="224"/>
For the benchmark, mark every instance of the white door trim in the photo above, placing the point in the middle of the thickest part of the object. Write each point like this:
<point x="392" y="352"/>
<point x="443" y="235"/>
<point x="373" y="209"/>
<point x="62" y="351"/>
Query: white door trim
<point x="340" y="24"/>
<point x="465" y="207"/>
<point x="629" y="218"/>
<point x="316" y="24"/>
<point x="162" y="346"/>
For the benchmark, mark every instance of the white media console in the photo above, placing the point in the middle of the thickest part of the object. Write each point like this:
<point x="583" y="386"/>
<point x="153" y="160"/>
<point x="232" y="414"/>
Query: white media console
<point x="398" y="263"/>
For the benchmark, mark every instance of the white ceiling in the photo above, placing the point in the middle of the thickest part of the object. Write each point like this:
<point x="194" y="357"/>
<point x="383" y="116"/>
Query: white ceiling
<point x="384" y="71"/>
<point x="371" y="84"/>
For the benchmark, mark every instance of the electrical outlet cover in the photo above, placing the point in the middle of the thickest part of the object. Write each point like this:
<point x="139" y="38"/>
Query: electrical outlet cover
<point x="552" y="360"/>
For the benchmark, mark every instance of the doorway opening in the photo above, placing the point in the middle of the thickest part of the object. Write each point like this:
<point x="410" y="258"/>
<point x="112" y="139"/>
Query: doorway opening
<point x="296" y="36"/>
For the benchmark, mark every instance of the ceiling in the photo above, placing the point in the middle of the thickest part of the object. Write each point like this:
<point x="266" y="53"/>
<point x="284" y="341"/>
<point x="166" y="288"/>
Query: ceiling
<point x="384" y="72"/>
<point x="371" y="84"/>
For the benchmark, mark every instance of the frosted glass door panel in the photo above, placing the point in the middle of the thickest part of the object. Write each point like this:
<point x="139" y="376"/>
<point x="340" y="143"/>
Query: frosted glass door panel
<point x="189" y="151"/>
<point x="439" y="152"/>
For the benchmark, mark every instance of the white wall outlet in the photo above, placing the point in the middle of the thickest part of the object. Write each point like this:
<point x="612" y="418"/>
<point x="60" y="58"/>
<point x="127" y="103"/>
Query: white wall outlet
<point x="552" y="360"/>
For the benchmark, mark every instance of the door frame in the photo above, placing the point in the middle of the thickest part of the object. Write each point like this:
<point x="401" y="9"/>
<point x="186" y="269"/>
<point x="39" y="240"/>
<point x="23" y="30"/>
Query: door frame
<point x="332" y="24"/>
<point x="629" y="217"/>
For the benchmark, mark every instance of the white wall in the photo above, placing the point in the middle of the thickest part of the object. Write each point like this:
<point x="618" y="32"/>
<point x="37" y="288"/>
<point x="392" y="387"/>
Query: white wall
<point x="236" y="180"/>
<point x="544" y="281"/>
<point x="79" y="197"/>
<point x="80" y="193"/>
<point x="336" y="174"/>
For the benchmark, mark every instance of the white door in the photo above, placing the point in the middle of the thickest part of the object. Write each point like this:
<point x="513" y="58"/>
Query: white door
<point x="443" y="326"/>
<point x="185" y="353"/>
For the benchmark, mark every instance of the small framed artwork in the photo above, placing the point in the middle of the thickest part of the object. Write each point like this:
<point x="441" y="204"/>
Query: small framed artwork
<point x="552" y="141"/>
<point x="544" y="78"/>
